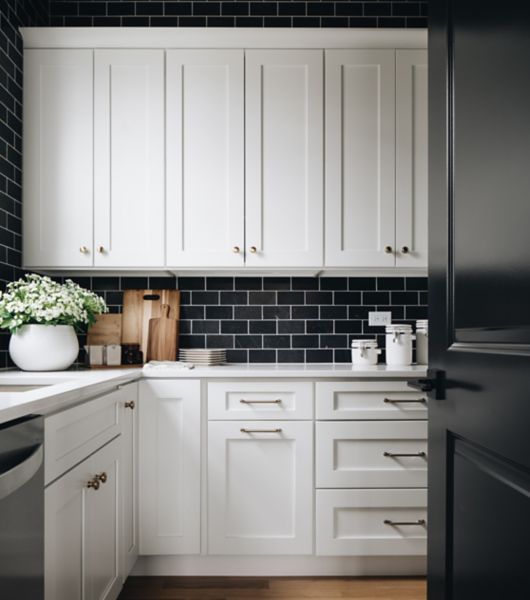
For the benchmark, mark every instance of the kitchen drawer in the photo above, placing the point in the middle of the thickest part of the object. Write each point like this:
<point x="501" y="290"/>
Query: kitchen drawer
<point x="352" y="454"/>
<point x="352" y="522"/>
<point x="260" y="400"/>
<point x="369" y="400"/>
<point x="72" y="435"/>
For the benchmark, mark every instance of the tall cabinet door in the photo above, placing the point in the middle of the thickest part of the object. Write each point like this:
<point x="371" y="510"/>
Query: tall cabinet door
<point x="411" y="158"/>
<point x="129" y="158"/>
<point x="360" y="158"/>
<point x="205" y="158"/>
<point x="58" y="173"/>
<point x="284" y="158"/>
<point x="170" y="467"/>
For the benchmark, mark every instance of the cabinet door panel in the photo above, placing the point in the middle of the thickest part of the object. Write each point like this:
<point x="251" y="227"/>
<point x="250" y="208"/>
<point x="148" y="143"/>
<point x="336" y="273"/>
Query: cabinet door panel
<point x="58" y="171"/>
<point x="284" y="158"/>
<point x="205" y="158"/>
<point x="260" y="488"/>
<point x="411" y="158"/>
<point x="170" y="473"/>
<point x="129" y="158"/>
<point x="360" y="156"/>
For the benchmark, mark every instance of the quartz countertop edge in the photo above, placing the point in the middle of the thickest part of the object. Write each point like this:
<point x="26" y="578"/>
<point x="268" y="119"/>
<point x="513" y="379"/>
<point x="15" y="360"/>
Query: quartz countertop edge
<point x="63" y="389"/>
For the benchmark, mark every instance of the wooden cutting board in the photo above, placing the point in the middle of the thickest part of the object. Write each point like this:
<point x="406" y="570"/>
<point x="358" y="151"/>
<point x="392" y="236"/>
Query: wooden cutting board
<point x="106" y="330"/>
<point x="162" y="339"/>
<point x="139" y="307"/>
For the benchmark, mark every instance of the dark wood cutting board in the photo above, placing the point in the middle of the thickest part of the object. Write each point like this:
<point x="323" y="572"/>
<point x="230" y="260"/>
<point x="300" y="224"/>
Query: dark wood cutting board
<point x="162" y="339"/>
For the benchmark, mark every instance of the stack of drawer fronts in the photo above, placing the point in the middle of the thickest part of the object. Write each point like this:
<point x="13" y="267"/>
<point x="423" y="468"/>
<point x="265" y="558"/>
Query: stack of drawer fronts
<point x="371" y="469"/>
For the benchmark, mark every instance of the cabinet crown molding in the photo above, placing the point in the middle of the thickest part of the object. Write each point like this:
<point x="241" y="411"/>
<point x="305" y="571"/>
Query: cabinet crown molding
<point x="200" y="37"/>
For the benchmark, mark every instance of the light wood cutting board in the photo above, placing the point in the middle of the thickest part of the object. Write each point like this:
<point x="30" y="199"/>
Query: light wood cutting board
<point x="139" y="307"/>
<point x="106" y="330"/>
<point x="162" y="342"/>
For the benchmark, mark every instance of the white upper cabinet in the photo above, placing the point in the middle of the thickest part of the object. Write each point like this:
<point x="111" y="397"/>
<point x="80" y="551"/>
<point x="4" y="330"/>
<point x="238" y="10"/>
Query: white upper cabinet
<point x="411" y="158"/>
<point x="129" y="158"/>
<point x="58" y="173"/>
<point x="205" y="158"/>
<point x="360" y="158"/>
<point x="284" y="158"/>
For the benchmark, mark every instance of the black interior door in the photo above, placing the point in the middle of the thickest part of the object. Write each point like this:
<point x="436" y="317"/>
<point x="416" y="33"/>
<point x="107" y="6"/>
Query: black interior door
<point x="479" y="297"/>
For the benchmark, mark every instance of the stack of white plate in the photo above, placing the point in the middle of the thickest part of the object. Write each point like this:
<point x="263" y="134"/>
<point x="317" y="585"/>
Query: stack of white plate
<point x="203" y="356"/>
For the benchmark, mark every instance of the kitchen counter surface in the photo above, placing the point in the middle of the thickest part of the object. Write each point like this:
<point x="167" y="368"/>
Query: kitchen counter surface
<point x="66" y="388"/>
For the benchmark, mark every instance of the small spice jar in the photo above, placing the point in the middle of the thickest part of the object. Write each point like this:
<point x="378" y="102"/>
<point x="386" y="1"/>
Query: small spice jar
<point x="399" y="345"/>
<point x="364" y="352"/>
<point x="422" y="342"/>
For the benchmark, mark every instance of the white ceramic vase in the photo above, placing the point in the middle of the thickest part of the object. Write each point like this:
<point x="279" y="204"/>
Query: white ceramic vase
<point x="44" y="347"/>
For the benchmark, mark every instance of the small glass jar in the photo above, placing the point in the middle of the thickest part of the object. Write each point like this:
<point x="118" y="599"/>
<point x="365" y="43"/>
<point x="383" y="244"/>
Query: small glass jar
<point x="422" y="342"/>
<point x="399" y="345"/>
<point x="364" y="352"/>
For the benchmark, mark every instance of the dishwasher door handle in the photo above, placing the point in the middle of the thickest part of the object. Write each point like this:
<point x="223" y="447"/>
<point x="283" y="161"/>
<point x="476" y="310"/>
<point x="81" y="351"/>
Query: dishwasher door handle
<point x="19" y="475"/>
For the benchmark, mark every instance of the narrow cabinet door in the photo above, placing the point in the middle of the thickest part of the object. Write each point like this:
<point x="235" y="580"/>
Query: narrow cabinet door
<point x="360" y="155"/>
<point x="58" y="149"/>
<point x="411" y="158"/>
<point x="205" y="158"/>
<point x="260" y="487"/>
<point x="284" y="158"/>
<point x="129" y="158"/>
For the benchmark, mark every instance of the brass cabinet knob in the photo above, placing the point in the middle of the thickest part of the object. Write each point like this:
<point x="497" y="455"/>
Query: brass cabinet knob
<point x="405" y="249"/>
<point x="102" y="477"/>
<point x="235" y="249"/>
<point x="253" y="249"/>
<point x="131" y="404"/>
<point x="388" y="249"/>
<point x="101" y="249"/>
<point x="83" y="250"/>
<point x="93" y="484"/>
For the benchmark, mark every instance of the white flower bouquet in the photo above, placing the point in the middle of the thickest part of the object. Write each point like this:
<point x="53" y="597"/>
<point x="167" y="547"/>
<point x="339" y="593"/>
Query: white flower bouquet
<point x="37" y="300"/>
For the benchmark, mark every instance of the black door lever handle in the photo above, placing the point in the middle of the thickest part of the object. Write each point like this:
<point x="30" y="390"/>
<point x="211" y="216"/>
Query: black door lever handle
<point x="434" y="382"/>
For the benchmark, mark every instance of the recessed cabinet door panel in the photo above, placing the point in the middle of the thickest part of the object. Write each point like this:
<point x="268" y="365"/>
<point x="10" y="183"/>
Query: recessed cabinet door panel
<point x="205" y="158"/>
<point x="411" y="158"/>
<point x="58" y="171"/>
<point x="129" y="158"/>
<point x="284" y="158"/>
<point x="260" y="487"/>
<point x="360" y="154"/>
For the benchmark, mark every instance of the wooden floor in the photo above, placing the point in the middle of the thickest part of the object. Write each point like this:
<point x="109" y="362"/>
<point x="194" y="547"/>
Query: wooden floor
<point x="279" y="588"/>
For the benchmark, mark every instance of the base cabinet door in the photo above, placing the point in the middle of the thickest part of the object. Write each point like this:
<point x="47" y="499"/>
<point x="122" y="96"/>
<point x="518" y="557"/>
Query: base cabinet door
<point x="170" y="467"/>
<point x="260" y="487"/>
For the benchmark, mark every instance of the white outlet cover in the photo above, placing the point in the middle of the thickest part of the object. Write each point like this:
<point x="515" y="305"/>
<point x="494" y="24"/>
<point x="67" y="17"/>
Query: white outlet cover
<point x="379" y="318"/>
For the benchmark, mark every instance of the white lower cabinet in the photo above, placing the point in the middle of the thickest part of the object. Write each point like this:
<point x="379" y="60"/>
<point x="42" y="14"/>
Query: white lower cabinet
<point x="260" y="487"/>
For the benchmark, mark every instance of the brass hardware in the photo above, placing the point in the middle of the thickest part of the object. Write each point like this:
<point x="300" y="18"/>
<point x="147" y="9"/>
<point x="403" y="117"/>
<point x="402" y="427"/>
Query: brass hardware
<point x="131" y="404"/>
<point x="390" y="401"/>
<point x="388" y="249"/>
<point x="93" y="483"/>
<point x="405" y="249"/>
<point x="405" y="454"/>
<point x="253" y="249"/>
<point x="101" y="249"/>
<point x="277" y="430"/>
<point x="395" y="523"/>
<point x="83" y="250"/>
<point x="102" y="477"/>
<point x="235" y="249"/>
<point x="277" y="401"/>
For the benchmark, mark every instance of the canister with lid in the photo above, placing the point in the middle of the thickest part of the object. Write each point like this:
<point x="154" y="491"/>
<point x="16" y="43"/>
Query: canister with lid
<point x="422" y="342"/>
<point x="364" y="352"/>
<point x="399" y="345"/>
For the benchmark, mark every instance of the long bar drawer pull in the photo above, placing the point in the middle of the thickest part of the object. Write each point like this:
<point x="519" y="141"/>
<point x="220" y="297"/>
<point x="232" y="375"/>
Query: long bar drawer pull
<point x="277" y="401"/>
<point x="391" y="401"/>
<point x="277" y="430"/>
<point x="396" y="523"/>
<point x="405" y="454"/>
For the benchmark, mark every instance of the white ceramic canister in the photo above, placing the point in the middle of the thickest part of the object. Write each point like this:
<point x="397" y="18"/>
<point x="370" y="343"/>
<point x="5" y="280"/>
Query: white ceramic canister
<point x="399" y="345"/>
<point x="422" y="342"/>
<point x="364" y="352"/>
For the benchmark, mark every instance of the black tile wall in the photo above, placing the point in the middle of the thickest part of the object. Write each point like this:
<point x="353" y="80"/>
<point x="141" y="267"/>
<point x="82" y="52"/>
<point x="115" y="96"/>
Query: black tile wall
<point x="279" y="319"/>
<point x="227" y="13"/>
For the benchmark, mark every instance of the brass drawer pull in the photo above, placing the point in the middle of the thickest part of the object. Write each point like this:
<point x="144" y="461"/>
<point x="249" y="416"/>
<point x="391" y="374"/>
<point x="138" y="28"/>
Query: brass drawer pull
<point x="102" y="477"/>
<point x="93" y="484"/>
<point x="405" y="454"/>
<point x="397" y="523"/>
<point x="131" y="404"/>
<point x="277" y="430"/>
<point x="419" y="400"/>
<point x="277" y="401"/>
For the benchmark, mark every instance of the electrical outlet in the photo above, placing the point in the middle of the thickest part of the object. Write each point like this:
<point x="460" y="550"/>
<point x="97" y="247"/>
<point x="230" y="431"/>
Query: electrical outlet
<point x="379" y="319"/>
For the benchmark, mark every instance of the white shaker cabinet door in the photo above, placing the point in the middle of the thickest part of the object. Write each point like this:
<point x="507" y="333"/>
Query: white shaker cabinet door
<point x="360" y="158"/>
<point x="411" y="158"/>
<point x="58" y="147"/>
<point x="129" y="158"/>
<point x="170" y="469"/>
<point x="205" y="158"/>
<point x="260" y="487"/>
<point x="284" y="158"/>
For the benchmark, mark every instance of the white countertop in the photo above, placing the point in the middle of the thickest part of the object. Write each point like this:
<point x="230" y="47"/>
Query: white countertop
<point x="65" y="388"/>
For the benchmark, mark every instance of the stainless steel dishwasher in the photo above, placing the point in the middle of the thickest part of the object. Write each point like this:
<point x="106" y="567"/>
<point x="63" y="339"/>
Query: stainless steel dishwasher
<point x="22" y="509"/>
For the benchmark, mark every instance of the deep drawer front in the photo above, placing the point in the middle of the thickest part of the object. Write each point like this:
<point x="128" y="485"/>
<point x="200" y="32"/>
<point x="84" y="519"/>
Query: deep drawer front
<point x="365" y="454"/>
<point x="369" y="400"/>
<point x="256" y="400"/>
<point x="371" y="522"/>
